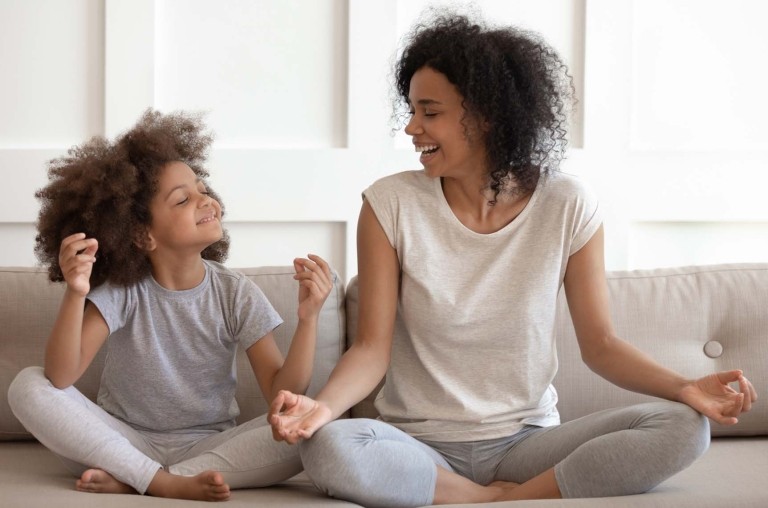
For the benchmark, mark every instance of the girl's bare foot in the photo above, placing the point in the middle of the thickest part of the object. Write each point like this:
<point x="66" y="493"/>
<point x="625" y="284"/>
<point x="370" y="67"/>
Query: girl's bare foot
<point x="206" y="486"/>
<point x="99" y="481"/>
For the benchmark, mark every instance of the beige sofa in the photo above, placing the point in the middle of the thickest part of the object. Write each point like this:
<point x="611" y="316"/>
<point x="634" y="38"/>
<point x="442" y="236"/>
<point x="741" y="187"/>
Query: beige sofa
<point x="694" y="319"/>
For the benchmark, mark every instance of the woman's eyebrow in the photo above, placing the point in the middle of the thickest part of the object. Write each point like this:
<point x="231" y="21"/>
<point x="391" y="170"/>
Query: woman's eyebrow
<point x="427" y="102"/>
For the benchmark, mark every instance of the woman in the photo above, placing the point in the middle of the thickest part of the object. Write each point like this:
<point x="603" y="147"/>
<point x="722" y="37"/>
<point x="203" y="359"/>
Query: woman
<point x="459" y="270"/>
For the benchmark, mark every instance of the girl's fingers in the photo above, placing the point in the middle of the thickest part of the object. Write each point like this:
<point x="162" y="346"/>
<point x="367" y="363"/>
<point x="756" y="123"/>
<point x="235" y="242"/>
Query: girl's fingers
<point x="316" y="270"/>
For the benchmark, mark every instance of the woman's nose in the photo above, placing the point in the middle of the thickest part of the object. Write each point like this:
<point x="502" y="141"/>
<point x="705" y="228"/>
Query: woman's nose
<point x="413" y="126"/>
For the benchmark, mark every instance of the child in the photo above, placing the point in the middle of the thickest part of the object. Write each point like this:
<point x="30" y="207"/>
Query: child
<point x="136" y="234"/>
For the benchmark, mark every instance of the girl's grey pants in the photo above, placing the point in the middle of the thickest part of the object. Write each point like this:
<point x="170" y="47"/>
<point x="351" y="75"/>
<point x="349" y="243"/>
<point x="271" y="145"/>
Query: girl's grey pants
<point x="85" y="436"/>
<point x="610" y="453"/>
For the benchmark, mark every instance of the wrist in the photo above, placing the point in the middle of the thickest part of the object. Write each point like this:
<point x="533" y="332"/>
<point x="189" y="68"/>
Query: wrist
<point x="682" y="389"/>
<point x="71" y="292"/>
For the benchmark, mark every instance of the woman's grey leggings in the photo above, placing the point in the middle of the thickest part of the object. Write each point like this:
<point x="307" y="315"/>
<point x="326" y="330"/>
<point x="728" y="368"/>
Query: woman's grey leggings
<point x="610" y="453"/>
<point x="86" y="436"/>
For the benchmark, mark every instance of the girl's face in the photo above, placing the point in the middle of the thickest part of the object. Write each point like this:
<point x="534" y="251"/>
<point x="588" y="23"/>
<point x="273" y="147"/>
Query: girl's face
<point x="184" y="217"/>
<point x="448" y="147"/>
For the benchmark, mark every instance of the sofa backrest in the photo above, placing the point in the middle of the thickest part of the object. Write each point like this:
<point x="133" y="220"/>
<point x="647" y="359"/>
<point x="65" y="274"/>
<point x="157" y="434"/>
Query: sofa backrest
<point x="29" y="303"/>
<point x="696" y="320"/>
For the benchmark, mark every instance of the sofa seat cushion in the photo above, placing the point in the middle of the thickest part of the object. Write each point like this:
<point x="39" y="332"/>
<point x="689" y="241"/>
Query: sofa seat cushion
<point x="731" y="473"/>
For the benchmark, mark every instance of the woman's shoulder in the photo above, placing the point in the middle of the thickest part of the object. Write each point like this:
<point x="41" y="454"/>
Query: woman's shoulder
<point x="397" y="180"/>
<point x="566" y="186"/>
<point x="400" y="184"/>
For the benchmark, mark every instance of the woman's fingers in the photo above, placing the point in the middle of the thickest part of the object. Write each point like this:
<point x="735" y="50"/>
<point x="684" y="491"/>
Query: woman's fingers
<point x="745" y="387"/>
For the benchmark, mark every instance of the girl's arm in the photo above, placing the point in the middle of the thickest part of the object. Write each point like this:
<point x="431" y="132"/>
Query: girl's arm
<point x="624" y="365"/>
<point x="272" y="374"/>
<point x="294" y="417"/>
<point x="79" y="330"/>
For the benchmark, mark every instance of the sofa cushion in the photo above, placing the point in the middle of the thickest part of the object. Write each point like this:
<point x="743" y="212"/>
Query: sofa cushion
<point x="29" y="303"/>
<point x="695" y="320"/>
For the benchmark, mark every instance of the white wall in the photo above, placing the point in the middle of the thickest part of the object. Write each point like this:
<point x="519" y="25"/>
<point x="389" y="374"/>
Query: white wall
<point x="668" y="131"/>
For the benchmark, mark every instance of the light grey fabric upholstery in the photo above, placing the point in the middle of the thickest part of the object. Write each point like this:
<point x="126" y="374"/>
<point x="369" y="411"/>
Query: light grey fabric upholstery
<point x="672" y="314"/>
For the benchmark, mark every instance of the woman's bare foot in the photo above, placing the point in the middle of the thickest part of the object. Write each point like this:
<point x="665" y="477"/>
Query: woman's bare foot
<point x="504" y="489"/>
<point x="206" y="486"/>
<point x="543" y="486"/>
<point x="99" y="481"/>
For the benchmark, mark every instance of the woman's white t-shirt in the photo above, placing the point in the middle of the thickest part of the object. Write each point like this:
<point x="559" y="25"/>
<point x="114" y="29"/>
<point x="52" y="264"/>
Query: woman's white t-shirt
<point x="473" y="354"/>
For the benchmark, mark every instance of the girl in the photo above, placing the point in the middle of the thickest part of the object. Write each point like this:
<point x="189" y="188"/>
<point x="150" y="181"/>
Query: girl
<point x="136" y="234"/>
<point x="460" y="266"/>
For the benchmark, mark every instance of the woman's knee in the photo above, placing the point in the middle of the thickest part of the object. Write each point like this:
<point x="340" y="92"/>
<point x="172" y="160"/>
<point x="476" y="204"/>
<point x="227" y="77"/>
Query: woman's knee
<point x="334" y="441"/>
<point x="688" y="430"/>
<point x="330" y="455"/>
<point x="694" y="428"/>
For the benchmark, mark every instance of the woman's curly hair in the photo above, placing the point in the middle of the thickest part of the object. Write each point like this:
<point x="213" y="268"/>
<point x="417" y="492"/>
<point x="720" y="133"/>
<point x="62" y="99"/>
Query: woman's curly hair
<point x="510" y="79"/>
<point x="103" y="189"/>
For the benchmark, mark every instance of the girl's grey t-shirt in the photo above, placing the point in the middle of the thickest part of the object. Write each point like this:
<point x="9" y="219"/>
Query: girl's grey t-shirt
<point x="170" y="363"/>
<point x="473" y="353"/>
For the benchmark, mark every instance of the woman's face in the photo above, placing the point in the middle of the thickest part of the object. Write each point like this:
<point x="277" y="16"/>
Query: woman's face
<point x="449" y="140"/>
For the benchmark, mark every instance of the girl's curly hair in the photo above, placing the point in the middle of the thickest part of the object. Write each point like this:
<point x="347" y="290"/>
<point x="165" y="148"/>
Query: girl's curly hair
<point x="104" y="190"/>
<point x="510" y="79"/>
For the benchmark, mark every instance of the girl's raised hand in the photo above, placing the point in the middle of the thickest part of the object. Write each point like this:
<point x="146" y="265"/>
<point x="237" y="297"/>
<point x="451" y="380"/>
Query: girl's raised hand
<point x="76" y="257"/>
<point x="315" y="283"/>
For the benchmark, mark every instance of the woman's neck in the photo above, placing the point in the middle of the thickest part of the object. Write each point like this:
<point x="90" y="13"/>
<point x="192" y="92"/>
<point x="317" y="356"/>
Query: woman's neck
<point x="473" y="203"/>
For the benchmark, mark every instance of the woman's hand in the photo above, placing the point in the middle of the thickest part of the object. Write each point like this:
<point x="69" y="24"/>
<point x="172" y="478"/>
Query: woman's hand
<point x="76" y="257"/>
<point x="295" y="417"/>
<point x="714" y="398"/>
<point x="315" y="283"/>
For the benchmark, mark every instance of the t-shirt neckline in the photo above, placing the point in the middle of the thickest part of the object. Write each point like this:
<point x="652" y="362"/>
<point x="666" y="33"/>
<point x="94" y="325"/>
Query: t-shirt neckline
<point x="513" y="225"/>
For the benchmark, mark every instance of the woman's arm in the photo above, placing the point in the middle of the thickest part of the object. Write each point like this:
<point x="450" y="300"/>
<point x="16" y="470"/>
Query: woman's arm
<point x="362" y="367"/>
<point x="80" y="329"/>
<point x="624" y="365"/>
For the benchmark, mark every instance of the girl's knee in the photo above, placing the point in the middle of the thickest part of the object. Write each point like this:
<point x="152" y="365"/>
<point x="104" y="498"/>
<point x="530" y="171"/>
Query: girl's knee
<point x="24" y="385"/>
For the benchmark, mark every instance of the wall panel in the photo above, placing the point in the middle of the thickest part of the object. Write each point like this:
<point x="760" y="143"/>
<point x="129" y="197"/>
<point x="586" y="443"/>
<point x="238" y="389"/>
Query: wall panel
<point x="667" y="130"/>
<point x="51" y="62"/>
<point x="272" y="74"/>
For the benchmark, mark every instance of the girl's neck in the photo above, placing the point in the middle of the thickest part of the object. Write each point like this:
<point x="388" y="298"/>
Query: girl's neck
<point x="178" y="274"/>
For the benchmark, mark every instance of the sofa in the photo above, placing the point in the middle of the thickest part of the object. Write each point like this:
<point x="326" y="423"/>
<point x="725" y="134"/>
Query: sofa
<point x="696" y="320"/>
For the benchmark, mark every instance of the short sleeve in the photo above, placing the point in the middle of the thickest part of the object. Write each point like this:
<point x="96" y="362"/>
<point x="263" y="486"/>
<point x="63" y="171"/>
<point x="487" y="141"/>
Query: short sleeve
<point x="253" y="315"/>
<point x="587" y="217"/>
<point x="380" y="198"/>
<point x="114" y="303"/>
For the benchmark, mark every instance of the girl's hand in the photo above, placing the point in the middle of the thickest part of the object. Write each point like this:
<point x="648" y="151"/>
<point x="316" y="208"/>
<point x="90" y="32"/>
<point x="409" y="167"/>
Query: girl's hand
<point x="76" y="257"/>
<point x="295" y="417"/>
<point x="713" y="397"/>
<point x="315" y="283"/>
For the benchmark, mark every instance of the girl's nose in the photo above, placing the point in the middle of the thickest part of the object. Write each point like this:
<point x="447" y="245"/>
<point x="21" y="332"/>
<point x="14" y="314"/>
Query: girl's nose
<point x="205" y="200"/>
